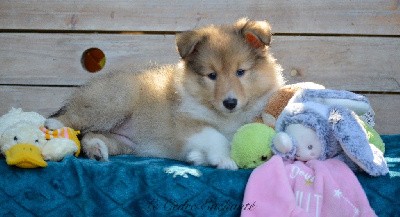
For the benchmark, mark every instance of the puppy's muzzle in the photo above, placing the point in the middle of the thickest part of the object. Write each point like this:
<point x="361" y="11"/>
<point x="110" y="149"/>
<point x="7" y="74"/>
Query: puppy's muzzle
<point x="230" y="103"/>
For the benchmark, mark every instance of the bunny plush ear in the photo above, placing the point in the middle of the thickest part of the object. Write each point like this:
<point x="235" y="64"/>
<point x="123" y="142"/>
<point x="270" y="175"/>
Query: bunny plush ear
<point x="353" y="140"/>
<point x="355" y="102"/>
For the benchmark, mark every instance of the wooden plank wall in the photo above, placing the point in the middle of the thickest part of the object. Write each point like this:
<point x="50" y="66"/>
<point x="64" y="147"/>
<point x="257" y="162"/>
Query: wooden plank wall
<point x="342" y="44"/>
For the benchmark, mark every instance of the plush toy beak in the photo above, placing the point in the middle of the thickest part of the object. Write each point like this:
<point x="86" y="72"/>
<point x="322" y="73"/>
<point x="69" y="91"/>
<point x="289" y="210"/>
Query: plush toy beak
<point x="25" y="156"/>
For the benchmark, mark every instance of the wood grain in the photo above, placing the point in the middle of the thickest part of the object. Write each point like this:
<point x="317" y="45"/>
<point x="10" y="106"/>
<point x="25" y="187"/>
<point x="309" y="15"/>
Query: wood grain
<point x="378" y="17"/>
<point x="352" y="63"/>
<point x="44" y="100"/>
<point x="55" y="59"/>
<point x="47" y="100"/>
<point x="386" y="109"/>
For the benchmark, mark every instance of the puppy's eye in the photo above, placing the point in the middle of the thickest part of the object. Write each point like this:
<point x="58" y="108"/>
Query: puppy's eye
<point x="240" y="72"/>
<point x="310" y="147"/>
<point x="212" y="76"/>
<point x="15" y="138"/>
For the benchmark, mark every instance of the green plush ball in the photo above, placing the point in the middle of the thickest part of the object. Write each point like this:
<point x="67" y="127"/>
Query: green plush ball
<point x="251" y="145"/>
<point x="374" y="137"/>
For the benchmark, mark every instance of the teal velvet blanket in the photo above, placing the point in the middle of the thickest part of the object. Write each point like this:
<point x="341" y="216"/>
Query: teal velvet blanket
<point x="130" y="186"/>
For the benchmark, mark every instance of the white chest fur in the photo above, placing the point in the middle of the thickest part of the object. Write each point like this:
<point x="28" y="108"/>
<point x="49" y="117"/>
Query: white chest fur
<point x="226" y="124"/>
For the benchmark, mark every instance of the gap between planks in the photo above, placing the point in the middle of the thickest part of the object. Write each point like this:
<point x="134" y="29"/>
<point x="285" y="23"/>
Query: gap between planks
<point x="175" y="32"/>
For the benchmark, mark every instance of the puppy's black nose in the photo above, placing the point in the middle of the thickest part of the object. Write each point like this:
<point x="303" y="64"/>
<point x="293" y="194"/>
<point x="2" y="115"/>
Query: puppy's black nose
<point x="230" y="103"/>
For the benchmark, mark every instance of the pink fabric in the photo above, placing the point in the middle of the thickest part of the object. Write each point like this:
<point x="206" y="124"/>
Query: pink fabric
<point x="314" y="188"/>
<point x="66" y="132"/>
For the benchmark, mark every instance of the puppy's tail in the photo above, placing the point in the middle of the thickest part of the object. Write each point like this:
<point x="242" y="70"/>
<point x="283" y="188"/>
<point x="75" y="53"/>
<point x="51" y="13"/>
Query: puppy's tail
<point x="60" y="112"/>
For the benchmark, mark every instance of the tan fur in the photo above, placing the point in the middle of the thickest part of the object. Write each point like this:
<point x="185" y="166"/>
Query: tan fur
<point x="162" y="110"/>
<point x="278" y="101"/>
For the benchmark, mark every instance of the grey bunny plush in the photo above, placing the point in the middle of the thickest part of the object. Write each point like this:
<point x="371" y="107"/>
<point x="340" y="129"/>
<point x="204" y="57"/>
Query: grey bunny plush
<point x="324" y="123"/>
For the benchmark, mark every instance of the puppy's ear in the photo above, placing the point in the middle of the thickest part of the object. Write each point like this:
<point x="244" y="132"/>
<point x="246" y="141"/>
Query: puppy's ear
<point x="256" y="33"/>
<point x="186" y="42"/>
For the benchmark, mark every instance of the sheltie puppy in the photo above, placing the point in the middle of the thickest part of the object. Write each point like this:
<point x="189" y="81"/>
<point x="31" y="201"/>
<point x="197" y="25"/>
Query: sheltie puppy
<point x="188" y="111"/>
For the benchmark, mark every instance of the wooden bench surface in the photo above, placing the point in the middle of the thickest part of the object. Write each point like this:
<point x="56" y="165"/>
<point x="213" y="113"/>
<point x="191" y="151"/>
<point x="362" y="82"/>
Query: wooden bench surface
<point x="352" y="45"/>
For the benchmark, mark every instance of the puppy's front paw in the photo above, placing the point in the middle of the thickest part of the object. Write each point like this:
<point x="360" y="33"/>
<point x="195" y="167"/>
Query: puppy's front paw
<point x="53" y="124"/>
<point x="196" y="158"/>
<point x="227" y="164"/>
<point x="95" y="148"/>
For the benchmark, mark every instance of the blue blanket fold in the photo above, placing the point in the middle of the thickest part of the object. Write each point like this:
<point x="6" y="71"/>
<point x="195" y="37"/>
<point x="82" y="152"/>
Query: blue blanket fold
<point x="131" y="186"/>
<point x="384" y="192"/>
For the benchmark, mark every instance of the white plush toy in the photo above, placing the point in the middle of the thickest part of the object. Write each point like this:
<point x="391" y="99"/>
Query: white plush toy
<point x="322" y="124"/>
<point x="26" y="144"/>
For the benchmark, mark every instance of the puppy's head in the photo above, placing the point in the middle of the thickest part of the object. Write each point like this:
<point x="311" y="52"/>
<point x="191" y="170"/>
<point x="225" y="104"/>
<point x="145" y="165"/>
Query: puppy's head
<point x="228" y="68"/>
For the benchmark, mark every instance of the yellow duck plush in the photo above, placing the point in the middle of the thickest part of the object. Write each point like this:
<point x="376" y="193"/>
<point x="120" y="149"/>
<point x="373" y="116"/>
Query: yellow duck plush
<point x="23" y="149"/>
<point x="25" y="144"/>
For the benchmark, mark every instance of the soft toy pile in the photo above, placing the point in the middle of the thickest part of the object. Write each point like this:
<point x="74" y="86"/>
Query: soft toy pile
<point x="26" y="144"/>
<point x="364" y="148"/>
<point x="324" y="124"/>
<point x="321" y="136"/>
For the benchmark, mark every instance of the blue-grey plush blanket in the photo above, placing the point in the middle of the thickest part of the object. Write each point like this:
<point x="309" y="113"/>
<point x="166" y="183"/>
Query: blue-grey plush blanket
<point x="131" y="186"/>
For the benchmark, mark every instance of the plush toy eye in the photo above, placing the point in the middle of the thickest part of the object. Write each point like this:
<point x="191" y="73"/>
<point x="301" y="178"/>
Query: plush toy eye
<point x="264" y="158"/>
<point x="212" y="76"/>
<point x="310" y="147"/>
<point x="240" y="72"/>
<point x="37" y="141"/>
<point x="15" y="138"/>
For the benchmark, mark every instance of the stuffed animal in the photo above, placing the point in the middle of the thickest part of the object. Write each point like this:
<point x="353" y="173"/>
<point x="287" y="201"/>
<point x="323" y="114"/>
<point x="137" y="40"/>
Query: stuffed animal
<point x="280" y="99"/>
<point x="251" y="145"/>
<point x="23" y="143"/>
<point x="373" y="136"/>
<point x="322" y="124"/>
<point x="54" y="150"/>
